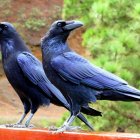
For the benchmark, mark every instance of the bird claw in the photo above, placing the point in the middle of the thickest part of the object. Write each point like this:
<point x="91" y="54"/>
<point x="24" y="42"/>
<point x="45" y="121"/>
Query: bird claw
<point x="59" y="130"/>
<point x="29" y="126"/>
<point x="19" y="126"/>
<point x="52" y="128"/>
<point x="24" y="126"/>
<point x="10" y="125"/>
<point x="66" y="128"/>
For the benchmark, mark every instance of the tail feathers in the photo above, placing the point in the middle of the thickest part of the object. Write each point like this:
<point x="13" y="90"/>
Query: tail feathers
<point x="90" y="111"/>
<point x="82" y="118"/>
<point x="128" y="91"/>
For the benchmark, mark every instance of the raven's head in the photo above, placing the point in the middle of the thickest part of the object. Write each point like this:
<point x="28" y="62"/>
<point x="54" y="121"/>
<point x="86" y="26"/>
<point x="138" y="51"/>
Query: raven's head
<point x="7" y="30"/>
<point x="62" y="28"/>
<point x="9" y="38"/>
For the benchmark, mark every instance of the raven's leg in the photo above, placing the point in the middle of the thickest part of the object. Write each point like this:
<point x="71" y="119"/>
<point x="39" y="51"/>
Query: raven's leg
<point x="66" y="126"/>
<point x="65" y="123"/>
<point x="34" y="108"/>
<point x="27" y="123"/>
<point x="29" y="119"/>
<point x="82" y="118"/>
<point x="26" y="111"/>
<point x="27" y="107"/>
<point x="22" y="118"/>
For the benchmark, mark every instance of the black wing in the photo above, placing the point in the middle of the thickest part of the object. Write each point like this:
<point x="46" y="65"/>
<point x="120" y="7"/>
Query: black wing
<point x="76" y="69"/>
<point x="33" y="70"/>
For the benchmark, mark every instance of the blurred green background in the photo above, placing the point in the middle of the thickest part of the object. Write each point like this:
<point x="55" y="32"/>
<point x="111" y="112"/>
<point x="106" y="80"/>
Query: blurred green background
<point x="110" y="39"/>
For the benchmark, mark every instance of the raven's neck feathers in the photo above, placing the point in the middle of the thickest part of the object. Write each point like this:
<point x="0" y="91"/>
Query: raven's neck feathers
<point x="10" y="46"/>
<point x="53" y="46"/>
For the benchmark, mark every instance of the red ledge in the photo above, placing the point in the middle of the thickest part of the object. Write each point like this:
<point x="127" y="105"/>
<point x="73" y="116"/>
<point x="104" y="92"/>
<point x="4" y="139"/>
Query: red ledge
<point x="42" y="134"/>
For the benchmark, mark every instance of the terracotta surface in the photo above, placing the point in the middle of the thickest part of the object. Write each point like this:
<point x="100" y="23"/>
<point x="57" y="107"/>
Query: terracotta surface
<point x="35" y="134"/>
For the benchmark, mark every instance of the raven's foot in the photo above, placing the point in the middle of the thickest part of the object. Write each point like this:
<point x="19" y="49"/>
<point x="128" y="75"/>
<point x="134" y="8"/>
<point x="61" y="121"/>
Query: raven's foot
<point x="67" y="128"/>
<point x="60" y="130"/>
<point x="52" y="128"/>
<point x="11" y="125"/>
<point x="19" y="126"/>
<point x="24" y="126"/>
<point x="30" y="126"/>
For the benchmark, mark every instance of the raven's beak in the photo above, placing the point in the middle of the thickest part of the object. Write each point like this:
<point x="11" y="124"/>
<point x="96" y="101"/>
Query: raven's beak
<point x="71" y="25"/>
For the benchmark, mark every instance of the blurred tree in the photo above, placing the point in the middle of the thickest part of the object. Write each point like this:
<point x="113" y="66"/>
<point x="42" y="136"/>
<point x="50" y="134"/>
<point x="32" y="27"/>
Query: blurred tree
<point x="112" y="34"/>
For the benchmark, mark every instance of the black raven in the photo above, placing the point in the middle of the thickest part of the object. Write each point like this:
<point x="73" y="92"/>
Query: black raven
<point x="77" y="79"/>
<point x="25" y="73"/>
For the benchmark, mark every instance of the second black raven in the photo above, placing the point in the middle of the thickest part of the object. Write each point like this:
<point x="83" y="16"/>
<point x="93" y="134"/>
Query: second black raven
<point x="79" y="80"/>
<point x="26" y="75"/>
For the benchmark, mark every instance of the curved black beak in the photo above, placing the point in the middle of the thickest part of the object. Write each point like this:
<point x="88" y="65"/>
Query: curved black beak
<point x="71" y="25"/>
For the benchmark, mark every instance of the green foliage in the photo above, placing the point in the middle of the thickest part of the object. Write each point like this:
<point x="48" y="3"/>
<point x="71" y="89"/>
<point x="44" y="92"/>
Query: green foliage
<point x="35" y="24"/>
<point x="35" y="21"/>
<point x="112" y="34"/>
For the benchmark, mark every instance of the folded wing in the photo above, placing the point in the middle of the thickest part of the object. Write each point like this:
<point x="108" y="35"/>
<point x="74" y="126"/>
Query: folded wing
<point x="33" y="70"/>
<point x="76" y="69"/>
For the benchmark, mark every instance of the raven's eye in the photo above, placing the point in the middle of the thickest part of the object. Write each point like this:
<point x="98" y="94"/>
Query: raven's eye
<point x="5" y="26"/>
<point x="61" y="24"/>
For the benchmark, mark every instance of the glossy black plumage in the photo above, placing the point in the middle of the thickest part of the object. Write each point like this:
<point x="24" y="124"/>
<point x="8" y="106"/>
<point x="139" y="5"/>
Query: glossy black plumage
<point x="25" y="73"/>
<point x="78" y="79"/>
<point x="76" y="69"/>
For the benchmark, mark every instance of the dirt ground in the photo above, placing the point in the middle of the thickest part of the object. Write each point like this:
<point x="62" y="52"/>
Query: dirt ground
<point x="10" y="105"/>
